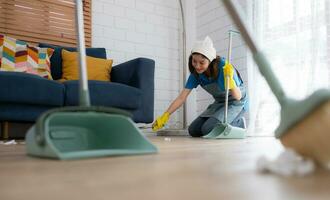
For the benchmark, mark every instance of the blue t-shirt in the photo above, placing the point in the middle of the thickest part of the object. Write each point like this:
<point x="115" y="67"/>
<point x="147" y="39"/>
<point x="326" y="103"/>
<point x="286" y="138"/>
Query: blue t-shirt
<point x="202" y="80"/>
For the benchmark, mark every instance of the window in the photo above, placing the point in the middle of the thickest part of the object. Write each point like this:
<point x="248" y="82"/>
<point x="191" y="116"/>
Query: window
<point x="294" y="35"/>
<point x="48" y="21"/>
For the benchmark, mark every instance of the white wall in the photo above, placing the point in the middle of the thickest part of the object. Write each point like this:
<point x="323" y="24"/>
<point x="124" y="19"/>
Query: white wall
<point x="213" y="20"/>
<point x="143" y="28"/>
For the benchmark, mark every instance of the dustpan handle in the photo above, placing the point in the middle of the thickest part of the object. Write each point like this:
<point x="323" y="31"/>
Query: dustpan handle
<point x="227" y="78"/>
<point x="230" y="32"/>
<point x="84" y="99"/>
<point x="263" y="64"/>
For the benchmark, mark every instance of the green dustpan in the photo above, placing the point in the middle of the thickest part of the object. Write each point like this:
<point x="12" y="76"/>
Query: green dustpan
<point x="85" y="131"/>
<point x="225" y="130"/>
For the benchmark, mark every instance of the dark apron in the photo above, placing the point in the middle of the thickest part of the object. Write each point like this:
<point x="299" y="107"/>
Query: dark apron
<point x="216" y="109"/>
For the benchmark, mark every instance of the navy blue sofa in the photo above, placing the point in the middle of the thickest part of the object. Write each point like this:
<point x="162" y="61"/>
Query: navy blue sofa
<point x="23" y="97"/>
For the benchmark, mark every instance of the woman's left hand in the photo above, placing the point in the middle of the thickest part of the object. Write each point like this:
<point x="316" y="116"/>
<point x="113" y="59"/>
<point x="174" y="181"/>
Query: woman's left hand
<point x="228" y="71"/>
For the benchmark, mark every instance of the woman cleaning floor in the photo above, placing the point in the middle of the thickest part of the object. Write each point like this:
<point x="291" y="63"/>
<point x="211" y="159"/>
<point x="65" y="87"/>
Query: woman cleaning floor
<point x="207" y="70"/>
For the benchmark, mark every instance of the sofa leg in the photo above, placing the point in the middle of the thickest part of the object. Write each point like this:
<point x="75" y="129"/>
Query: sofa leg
<point x="4" y="130"/>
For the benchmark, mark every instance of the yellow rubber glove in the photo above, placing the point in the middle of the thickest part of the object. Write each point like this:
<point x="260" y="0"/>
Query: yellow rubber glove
<point x="160" y="121"/>
<point x="228" y="70"/>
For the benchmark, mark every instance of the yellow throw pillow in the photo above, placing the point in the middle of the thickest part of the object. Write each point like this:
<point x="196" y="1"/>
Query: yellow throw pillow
<point x="97" y="68"/>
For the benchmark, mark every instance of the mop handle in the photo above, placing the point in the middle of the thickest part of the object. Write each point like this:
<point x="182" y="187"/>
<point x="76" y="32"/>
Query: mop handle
<point x="263" y="64"/>
<point x="184" y="52"/>
<point x="84" y="99"/>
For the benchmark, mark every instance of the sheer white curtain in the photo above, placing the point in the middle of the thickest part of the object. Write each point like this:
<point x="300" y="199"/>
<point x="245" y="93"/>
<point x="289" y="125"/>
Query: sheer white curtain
<point x="295" y="35"/>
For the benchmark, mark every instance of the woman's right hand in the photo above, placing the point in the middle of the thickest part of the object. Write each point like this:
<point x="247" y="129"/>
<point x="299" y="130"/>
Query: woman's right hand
<point x="160" y="121"/>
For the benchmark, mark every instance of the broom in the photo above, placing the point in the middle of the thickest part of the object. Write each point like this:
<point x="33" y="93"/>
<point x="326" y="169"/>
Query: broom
<point x="304" y="125"/>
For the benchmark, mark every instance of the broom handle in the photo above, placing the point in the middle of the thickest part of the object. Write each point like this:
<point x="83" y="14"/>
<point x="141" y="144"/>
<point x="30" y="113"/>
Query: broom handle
<point x="84" y="99"/>
<point x="263" y="64"/>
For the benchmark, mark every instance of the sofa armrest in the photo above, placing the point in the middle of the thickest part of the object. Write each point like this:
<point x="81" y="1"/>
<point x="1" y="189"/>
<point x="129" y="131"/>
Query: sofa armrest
<point x="138" y="73"/>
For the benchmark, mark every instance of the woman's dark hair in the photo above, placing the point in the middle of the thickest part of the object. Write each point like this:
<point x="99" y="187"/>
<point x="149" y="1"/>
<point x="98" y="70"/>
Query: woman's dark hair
<point x="212" y="70"/>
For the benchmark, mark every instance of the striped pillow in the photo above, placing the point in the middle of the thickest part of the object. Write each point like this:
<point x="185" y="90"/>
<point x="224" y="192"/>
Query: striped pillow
<point x="18" y="56"/>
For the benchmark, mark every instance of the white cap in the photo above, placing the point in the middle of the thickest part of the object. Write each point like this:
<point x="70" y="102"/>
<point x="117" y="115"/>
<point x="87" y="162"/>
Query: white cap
<point x="206" y="48"/>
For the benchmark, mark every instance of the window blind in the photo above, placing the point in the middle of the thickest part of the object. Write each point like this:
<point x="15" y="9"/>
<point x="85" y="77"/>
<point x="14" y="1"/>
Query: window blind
<point x="48" y="21"/>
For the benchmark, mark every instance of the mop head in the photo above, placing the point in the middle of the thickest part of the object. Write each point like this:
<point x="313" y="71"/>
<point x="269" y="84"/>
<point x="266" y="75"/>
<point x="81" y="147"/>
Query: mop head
<point x="173" y="132"/>
<point x="311" y="136"/>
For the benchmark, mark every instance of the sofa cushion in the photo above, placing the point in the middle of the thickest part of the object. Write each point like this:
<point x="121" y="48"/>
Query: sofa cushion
<point x="105" y="94"/>
<point x="31" y="89"/>
<point x="97" y="68"/>
<point x="21" y="112"/>
<point x="56" y="59"/>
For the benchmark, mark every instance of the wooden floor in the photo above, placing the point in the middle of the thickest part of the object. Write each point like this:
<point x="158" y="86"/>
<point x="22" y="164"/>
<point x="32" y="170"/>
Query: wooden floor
<point x="184" y="168"/>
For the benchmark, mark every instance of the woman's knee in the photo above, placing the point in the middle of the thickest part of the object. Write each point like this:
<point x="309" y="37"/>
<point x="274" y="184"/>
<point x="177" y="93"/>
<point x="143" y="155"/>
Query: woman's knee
<point x="194" y="129"/>
<point x="209" y="125"/>
<point x="194" y="132"/>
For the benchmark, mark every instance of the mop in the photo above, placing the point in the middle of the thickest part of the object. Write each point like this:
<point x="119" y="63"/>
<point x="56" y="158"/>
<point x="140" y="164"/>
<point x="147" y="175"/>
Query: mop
<point x="304" y="124"/>
<point x="225" y="130"/>
<point x="85" y="131"/>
